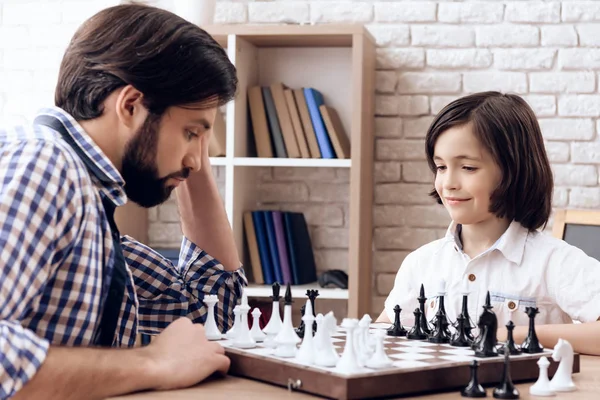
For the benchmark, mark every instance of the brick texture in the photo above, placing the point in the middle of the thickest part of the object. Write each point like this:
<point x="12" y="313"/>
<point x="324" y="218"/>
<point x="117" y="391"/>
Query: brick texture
<point x="428" y="54"/>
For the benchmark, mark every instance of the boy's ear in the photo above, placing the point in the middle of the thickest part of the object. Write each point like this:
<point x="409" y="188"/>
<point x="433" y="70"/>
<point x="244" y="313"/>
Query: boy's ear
<point x="129" y="107"/>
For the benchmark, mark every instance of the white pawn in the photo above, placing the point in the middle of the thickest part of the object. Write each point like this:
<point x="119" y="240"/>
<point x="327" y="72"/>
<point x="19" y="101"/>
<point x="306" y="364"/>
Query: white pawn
<point x="306" y="353"/>
<point x="275" y="324"/>
<point x="243" y="338"/>
<point x="211" y="329"/>
<point x="562" y="380"/>
<point x="231" y="334"/>
<point x="257" y="334"/>
<point x="348" y="363"/>
<point x="326" y="355"/>
<point x="542" y="386"/>
<point x="379" y="359"/>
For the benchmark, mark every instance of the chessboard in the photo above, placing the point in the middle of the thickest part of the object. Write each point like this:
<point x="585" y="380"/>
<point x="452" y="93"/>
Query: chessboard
<point x="418" y="367"/>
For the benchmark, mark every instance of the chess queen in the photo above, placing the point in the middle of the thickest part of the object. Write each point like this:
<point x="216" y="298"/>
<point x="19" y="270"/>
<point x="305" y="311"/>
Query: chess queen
<point x="491" y="173"/>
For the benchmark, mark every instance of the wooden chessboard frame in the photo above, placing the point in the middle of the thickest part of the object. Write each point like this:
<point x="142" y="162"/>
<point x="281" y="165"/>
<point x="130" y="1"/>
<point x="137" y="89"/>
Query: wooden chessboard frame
<point x="391" y="382"/>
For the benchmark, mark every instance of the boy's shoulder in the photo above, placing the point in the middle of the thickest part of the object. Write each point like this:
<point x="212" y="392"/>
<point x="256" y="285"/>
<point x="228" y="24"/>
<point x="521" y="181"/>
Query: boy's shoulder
<point x="429" y="250"/>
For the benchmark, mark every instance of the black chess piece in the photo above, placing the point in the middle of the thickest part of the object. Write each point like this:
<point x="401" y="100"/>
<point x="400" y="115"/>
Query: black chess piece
<point x="469" y="325"/>
<point x="416" y="333"/>
<point x="440" y="333"/>
<point x="288" y="295"/>
<point x="473" y="389"/>
<point x="312" y="294"/>
<point x="300" y="329"/>
<point x="275" y="287"/>
<point x="397" y="329"/>
<point x="513" y="349"/>
<point x="506" y="389"/>
<point x="422" y="299"/>
<point x="531" y="344"/>
<point x="485" y="344"/>
<point x="460" y="339"/>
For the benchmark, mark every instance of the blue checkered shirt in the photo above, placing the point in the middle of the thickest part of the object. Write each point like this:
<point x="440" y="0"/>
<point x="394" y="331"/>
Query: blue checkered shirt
<point x="56" y="247"/>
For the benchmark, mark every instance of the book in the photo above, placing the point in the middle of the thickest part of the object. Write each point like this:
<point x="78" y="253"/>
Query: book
<point x="260" y="127"/>
<point x="295" y="116"/>
<point x="338" y="137"/>
<point x="276" y="135"/>
<point x="285" y="121"/>
<point x="314" y="99"/>
<point x="309" y="132"/>
<point x="255" y="263"/>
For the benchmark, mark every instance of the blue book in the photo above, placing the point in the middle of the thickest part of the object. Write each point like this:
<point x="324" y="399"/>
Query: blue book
<point x="263" y="247"/>
<point x="272" y="238"/>
<point x="302" y="258"/>
<point x="314" y="99"/>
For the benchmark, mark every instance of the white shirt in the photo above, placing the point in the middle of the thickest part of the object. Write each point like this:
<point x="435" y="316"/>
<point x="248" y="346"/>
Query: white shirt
<point x="522" y="269"/>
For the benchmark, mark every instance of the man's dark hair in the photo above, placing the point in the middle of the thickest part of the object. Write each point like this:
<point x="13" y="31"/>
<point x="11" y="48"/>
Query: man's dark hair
<point x="170" y="60"/>
<point x="506" y="126"/>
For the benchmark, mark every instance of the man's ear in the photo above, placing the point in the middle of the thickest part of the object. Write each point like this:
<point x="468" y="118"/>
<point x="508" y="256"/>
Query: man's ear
<point x="129" y="107"/>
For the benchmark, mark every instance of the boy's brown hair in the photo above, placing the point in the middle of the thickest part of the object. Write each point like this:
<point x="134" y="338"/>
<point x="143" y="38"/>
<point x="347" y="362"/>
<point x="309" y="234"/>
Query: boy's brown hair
<point x="507" y="127"/>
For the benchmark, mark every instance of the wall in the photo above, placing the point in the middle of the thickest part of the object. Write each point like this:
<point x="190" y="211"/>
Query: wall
<point x="428" y="54"/>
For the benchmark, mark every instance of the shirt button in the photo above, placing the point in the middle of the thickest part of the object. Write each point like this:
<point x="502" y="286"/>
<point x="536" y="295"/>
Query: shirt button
<point x="512" y="305"/>
<point x="472" y="277"/>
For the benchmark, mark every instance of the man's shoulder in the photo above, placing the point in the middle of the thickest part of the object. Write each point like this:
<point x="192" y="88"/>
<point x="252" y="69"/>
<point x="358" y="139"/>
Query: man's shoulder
<point x="40" y="144"/>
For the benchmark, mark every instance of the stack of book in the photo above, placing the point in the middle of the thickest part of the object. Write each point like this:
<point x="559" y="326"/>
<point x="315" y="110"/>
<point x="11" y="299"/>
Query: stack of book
<point x="295" y="123"/>
<point x="280" y="248"/>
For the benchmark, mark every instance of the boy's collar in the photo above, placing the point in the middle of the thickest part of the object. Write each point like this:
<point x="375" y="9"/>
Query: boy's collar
<point x="511" y="244"/>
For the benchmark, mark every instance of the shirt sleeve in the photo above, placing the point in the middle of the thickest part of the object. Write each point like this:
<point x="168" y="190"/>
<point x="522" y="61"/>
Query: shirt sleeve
<point x="404" y="293"/>
<point x="38" y="216"/>
<point x="575" y="279"/>
<point x="166" y="292"/>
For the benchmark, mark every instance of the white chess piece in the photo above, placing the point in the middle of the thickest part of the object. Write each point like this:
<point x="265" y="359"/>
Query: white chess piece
<point x="243" y="338"/>
<point x="274" y="325"/>
<point x="542" y="386"/>
<point x="562" y="380"/>
<point x="287" y="339"/>
<point x="326" y="355"/>
<point x="211" y="329"/>
<point x="306" y="353"/>
<point x="379" y="359"/>
<point x="236" y="323"/>
<point x="257" y="334"/>
<point x="348" y="362"/>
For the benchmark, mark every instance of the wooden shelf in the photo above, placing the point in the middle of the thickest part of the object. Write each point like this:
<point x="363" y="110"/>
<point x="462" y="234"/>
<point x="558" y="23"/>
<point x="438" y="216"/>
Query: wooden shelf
<point x="298" y="291"/>
<point x="280" y="162"/>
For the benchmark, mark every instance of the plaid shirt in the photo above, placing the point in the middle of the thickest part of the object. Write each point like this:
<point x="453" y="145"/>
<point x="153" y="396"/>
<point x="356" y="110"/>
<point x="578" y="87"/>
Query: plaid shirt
<point x="56" y="247"/>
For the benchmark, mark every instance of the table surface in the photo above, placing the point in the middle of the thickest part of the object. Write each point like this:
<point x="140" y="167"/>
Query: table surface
<point x="230" y="387"/>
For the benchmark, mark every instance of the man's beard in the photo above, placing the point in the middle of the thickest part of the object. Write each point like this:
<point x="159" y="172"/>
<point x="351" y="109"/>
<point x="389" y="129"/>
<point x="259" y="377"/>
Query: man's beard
<point x="140" y="172"/>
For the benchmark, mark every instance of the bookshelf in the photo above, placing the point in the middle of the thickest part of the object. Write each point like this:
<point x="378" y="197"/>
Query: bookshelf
<point x="339" y="61"/>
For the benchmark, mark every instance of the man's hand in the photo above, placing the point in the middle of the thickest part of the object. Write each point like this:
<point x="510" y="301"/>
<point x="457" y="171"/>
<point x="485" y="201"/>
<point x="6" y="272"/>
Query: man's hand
<point x="182" y="356"/>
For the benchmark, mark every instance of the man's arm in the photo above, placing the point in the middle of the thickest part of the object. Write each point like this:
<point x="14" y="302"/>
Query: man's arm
<point x="179" y="357"/>
<point x="203" y="218"/>
<point x="583" y="337"/>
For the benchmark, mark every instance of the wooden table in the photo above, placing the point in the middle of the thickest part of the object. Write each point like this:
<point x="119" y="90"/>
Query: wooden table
<point x="230" y="388"/>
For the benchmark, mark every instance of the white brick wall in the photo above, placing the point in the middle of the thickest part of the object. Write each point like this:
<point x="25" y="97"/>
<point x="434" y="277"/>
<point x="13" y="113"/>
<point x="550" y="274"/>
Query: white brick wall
<point x="429" y="53"/>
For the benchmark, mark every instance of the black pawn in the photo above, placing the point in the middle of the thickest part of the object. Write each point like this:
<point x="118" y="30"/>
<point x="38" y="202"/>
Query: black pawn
<point x="473" y="389"/>
<point x="416" y="333"/>
<point x="300" y="328"/>
<point x="469" y="325"/>
<point x="506" y="389"/>
<point x="396" y="329"/>
<point x="513" y="349"/>
<point x="422" y="299"/>
<point x="460" y="339"/>
<point x="312" y="295"/>
<point x="440" y="333"/>
<point x="531" y="344"/>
